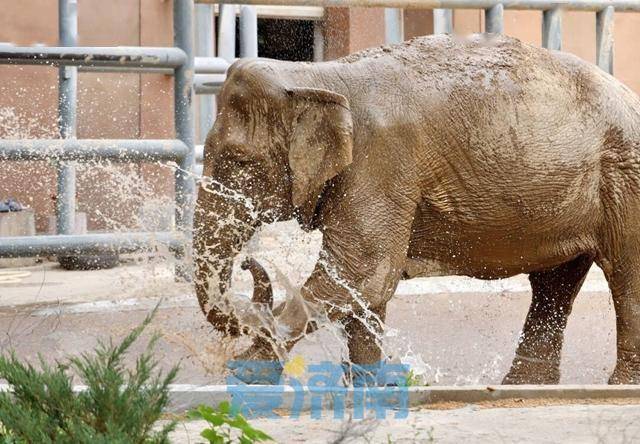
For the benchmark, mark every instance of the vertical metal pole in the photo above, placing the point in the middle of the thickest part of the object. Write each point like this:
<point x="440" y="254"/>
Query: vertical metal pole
<point x="393" y="25"/>
<point x="442" y="21"/>
<point x="227" y="32"/>
<point x="248" y="31"/>
<point x="67" y="90"/>
<point x="604" y="39"/>
<point x="183" y="108"/>
<point x="494" y="19"/>
<point x="552" y="29"/>
<point x="318" y="42"/>
<point x="204" y="47"/>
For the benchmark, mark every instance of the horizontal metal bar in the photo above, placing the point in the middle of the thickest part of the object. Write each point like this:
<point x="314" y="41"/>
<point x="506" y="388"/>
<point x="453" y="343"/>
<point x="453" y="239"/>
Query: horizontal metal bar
<point x="572" y="5"/>
<point x="126" y="69"/>
<point x="208" y="83"/>
<point x="28" y="246"/>
<point x="203" y="65"/>
<point x="314" y="13"/>
<point x="120" y="150"/>
<point x="210" y="65"/>
<point x="119" y="56"/>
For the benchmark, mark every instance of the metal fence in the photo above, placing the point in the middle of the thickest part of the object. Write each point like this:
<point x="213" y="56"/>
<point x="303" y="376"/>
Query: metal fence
<point x="204" y="75"/>
<point x="68" y="57"/>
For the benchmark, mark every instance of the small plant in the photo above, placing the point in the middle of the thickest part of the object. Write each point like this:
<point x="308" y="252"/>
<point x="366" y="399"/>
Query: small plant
<point x="412" y="380"/>
<point x="117" y="406"/>
<point x="223" y="421"/>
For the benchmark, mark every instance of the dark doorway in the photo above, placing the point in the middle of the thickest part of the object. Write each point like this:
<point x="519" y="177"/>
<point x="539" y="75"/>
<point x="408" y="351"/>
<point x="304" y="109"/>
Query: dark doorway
<point x="285" y="39"/>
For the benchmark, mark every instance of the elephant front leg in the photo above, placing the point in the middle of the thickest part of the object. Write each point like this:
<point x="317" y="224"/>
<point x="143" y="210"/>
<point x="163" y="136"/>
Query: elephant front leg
<point x="360" y="265"/>
<point x="537" y="359"/>
<point x="364" y="341"/>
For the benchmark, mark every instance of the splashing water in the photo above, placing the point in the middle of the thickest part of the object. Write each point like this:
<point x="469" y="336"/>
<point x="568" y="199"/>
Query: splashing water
<point x="289" y="255"/>
<point x="135" y="202"/>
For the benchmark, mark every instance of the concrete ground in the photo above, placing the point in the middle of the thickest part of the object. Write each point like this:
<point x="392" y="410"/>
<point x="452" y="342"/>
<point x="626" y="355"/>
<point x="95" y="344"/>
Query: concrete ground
<point x="462" y="337"/>
<point x="452" y="330"/>
<point x="578" y="423"/>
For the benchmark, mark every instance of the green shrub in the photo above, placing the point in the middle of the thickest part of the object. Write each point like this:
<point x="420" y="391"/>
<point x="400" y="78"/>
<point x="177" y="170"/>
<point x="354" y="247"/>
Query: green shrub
<point x="119" y="405"/>
<point x="227" y="425"/>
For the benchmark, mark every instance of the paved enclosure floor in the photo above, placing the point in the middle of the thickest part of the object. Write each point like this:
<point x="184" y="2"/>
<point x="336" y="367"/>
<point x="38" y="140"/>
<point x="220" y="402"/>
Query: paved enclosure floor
<point x="462" y="337"/>
<point x="470" y="424"/>
<point x="452" y="330"/>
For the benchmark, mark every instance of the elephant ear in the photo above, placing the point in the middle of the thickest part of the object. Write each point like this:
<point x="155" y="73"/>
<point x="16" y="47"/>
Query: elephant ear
<point x="320" y="146"/>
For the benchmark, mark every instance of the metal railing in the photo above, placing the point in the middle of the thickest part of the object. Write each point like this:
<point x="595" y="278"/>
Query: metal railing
<point x="209" y="76"/>
<point x="177" y="60"/>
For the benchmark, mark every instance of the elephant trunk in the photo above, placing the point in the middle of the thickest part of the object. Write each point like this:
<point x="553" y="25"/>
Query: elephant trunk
<point x="262" y="289"/>
<point x="216" y="243"/>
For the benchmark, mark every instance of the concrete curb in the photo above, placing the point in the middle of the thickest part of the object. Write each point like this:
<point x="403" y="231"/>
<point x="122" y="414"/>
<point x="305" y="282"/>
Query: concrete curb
<point x="187" y="396"/>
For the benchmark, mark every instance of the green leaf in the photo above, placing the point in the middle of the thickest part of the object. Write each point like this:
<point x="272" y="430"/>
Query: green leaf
<point x="212" y="436"/>
<point x="224" y="407"/>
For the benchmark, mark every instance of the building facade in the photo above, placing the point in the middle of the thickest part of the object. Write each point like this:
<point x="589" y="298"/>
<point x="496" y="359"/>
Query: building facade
<point x="131" y="105"/>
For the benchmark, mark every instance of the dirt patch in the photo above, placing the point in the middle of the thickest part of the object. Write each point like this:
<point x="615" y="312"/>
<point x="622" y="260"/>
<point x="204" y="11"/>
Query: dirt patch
<point x="527" y="403"/>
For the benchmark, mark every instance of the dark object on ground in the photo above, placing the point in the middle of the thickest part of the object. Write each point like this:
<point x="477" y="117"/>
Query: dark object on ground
<point x="89" y="261"/>
<point x="10" y="205"/>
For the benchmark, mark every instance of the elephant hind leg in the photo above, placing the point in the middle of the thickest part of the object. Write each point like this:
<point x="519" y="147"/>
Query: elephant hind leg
<point x="623" y="275"/>
<point x="537" y="359"/>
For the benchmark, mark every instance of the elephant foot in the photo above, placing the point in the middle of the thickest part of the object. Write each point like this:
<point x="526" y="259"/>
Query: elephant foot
<point x="627" y="369"/>
<point x="257" y="365"/>
<point x="362" y="375"/>
<point x="526" y="370"/>
<point x="380" y="374"/>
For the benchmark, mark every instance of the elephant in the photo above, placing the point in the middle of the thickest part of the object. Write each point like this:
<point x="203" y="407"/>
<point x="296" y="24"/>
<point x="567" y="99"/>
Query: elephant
<point x="483" y="154"/>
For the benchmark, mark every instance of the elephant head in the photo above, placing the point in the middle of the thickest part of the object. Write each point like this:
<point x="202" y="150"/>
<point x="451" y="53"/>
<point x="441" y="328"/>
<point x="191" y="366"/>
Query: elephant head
<point x="272" y="150"/>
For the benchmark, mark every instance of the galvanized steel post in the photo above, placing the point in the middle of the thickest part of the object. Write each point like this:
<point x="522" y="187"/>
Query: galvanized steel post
<point x="552" y="29"/>
<point x="183" y="108"/>
<point x="227" y="32"/>
<point x="393" y="25"/>
<point x="604" y="39"/>
<point x="494" y="19"/>
<point x="204" y="48"/>
<point x="442" y="21"/>
<point x="248" y="31"/>
<point x="67" y="100"/>
<point x="318" y="42"/>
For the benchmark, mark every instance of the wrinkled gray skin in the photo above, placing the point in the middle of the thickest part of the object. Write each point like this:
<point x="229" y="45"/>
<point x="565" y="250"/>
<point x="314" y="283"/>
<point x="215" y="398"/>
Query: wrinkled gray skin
<point x="486" y="155"/>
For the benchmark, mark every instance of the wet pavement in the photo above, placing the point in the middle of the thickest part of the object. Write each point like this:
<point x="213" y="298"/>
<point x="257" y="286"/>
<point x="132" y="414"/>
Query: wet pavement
<point x="462" y="337"/>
